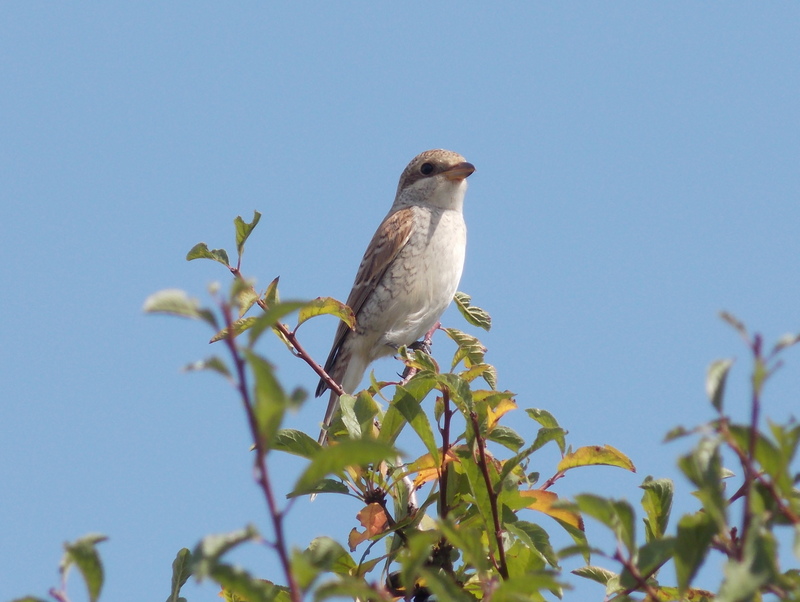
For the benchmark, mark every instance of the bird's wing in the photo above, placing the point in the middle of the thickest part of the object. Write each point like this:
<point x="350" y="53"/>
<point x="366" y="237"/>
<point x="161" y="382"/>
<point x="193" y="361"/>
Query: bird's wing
<point x="389" y="239"/>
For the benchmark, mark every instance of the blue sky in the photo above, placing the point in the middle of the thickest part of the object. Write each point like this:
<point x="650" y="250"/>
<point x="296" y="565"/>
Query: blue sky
<point x="637" y="172"/>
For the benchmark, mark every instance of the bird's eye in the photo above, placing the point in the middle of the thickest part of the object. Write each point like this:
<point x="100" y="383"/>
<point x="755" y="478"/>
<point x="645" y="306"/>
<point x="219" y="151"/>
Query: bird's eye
<point x="426" y="169"/>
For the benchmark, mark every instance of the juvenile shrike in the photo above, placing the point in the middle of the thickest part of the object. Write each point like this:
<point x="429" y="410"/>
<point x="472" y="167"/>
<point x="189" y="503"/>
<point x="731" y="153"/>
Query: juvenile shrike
<point x="409" y="273"/>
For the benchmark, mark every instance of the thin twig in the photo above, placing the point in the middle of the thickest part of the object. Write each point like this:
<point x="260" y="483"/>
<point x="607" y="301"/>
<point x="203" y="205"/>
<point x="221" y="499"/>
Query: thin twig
<point x="502" y="567"/>
<point x="549" y="482"/>
<point x="260" y="464"/>
<point x="59" y="594"/>
<point x="444" y="507"/>
<point x="747" y="465"/>
<point x="641" y="580"/>
<point x="290" y="336"/>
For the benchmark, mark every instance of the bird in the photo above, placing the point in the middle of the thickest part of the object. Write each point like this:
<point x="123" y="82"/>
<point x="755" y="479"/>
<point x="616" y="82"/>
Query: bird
<point x="409" y="273"/>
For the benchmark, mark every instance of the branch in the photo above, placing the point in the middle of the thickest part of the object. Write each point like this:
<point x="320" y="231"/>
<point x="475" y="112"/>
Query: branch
<point x="747" y="464"/>
<point x="260" y="463"/>
<point x="444" y="507"/>
<point x="292" y="338"/>
<point x="502" y="568"/>
<point x="641" y="580"/>
<point x="549" y="482"/>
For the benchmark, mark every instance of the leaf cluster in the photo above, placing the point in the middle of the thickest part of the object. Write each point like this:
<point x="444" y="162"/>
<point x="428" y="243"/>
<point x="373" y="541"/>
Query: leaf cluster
<point x="465" y="514"/>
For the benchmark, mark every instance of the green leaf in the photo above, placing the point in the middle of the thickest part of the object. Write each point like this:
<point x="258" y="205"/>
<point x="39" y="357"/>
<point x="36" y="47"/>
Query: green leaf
<point x="716" y="376"/>
<point x="391" y="426"/>
<point x="474" y="315"/>
<point x="695" y="532"/>
<point x="468" y="540"/>
<point x="214" y="364"/>
<point x="181" y="571"/>
<point x="677" y="433"/>
<point x="757" y="567"/>
<point x="787" y="438"/>
<point x="272" y="316"/>
<point x="239" y="582"/>
<point x="772" y="460"/>
<point x="243" y="230"/>
<point x="653" y="555"/>
<point x="703" y="467"/>
<point x="269" y="399"/>
<point x="176" y="302"/>
<point x="201" y="251"/>
<point x="345" y="588"/>
<point x="238" y="326"/>
<point x="271" y="296"/>
<point x="536" y="537"/>
<point x="410" y="408"/>
<point x="470" y="349"/>
<point x="29" y="599"/>
<point x="507" y="437"/>
<point x="547" y="434"/>
<point x="245" y="296"/>
<point x="617" y="515"/>
<point x="581" y="543"/>
<point x="322" y="486"/>
<point x="527" y="587"/>
<point x="295" y="442"/>
<point x="657" y="503"/>
<point x="336" y="458"/>
<point x="211" y="548"/>
<point x="595" y="573"/>
<point x="349" y="419"/>
<point x="415" y="555"/>
<point x="83" y="554"/>
<point x="542" y="437"/>
<point x="418" y="359"/>
<point x="327" y="306"/>
<point x="393" y="421"/>
<point x="470" y="468"/>
<point x="443" y="587"/>
<point x="485" y="371"/>
<point x="366" y="410"/>
<point x="460" y="393"/>
<point x="329" y="555"/>
<point x="543" y="417"/>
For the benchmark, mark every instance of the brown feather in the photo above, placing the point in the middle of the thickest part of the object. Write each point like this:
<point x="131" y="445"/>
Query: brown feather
<point x="390" y="238"/>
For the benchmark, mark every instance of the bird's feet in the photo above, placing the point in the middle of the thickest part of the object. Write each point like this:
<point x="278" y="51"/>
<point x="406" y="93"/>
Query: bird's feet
<point x="423" y="345"/>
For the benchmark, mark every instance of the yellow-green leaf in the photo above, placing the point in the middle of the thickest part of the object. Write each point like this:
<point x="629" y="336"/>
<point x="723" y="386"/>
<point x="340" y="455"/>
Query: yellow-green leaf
<point x="239" y="326"/>
<point x="201" y="251"/>
<point x="542" y="501"/>
<point x="327" y="305"/>
<point x="596" y="454"/>
<point x="243" y="230"/>
<point x="474" y="315"/>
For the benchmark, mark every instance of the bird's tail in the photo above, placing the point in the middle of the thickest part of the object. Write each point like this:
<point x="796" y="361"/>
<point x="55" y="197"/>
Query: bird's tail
<point x="333" y="405"/>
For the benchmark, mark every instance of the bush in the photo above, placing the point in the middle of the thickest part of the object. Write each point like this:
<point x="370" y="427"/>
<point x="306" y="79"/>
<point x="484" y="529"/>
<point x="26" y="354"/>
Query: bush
<point x="458" y="522"/>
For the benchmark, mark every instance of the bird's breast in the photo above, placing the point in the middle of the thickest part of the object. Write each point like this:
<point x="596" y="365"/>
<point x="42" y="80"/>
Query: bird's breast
<point x="422" y="280"/>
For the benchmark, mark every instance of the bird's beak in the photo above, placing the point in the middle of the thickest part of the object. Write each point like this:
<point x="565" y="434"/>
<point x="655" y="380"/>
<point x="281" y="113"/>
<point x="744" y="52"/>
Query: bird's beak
<point x="459" y="171"/>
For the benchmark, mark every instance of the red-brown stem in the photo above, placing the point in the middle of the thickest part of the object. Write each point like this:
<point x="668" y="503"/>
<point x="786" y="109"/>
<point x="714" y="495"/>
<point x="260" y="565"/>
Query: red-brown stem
<point x="59" y="594"/>
<point x="447" y="414"/>
<point x="749" y="469"/>
<point x="641" y="581"/>
<point x="290" y="336"/>
<point x="260" y="463"/>
<point x="502" y="567"/>
<point x="747" y="464"/>
<point x="549" y="482"/>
